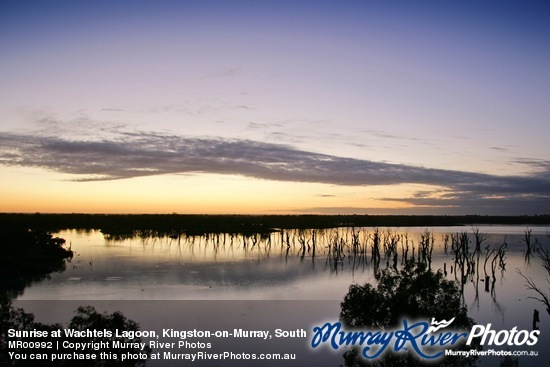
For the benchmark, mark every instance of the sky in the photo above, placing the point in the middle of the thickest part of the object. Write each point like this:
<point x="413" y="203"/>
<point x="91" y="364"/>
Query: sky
<point x="275" y="107"/>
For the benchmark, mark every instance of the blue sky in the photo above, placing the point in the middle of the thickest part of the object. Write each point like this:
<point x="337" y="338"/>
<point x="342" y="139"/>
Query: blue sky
<point x="275" y="106"/>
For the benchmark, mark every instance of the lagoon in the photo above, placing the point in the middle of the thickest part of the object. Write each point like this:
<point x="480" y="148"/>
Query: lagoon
<point x="297" y="277"/>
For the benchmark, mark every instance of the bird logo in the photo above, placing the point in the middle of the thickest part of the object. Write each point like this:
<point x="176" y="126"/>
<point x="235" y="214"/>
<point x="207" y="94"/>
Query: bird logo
<point x="436" y="325"/>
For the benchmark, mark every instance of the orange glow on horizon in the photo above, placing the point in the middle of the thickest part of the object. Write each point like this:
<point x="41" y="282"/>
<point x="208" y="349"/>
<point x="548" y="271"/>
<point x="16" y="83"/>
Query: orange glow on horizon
<point x="33" y="190"/>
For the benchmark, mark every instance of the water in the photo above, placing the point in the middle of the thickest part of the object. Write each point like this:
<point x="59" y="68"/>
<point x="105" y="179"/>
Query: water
<point x="279" y="279"/>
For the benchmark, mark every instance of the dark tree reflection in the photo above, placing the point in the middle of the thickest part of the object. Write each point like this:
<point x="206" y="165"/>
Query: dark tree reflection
<point x="28" y="256"/>
<point x="413" y="293"/>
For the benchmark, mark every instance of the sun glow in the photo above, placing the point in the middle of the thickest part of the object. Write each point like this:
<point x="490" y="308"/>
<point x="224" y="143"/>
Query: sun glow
<point x="33" y="190"/>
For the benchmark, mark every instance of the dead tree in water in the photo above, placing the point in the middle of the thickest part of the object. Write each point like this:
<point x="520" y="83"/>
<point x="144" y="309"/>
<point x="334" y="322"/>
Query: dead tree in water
<point x="446" y="237"/>
<point x="404" y="248"/>
<point x="497" y="257"/>
<point x="544" y="255"/>
<point x="532" y="286"/>
<point x="336" y="254"/>
<point x="376" y="246"/>
<point x="391" y="240"/>
<point x="479" y="238"/>
<point x="530" y="247"/>
<point x="426" y="247"/>
<point x="313" y="244"/>
<point x="375" y="258"/>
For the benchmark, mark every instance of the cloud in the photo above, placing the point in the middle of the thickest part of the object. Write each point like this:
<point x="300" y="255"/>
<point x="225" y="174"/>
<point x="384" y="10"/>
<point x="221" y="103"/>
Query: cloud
<point x="133" y="154"/>
<point x="471" y="203"/>
<point x="136" y="154"/>
<point x="539" y="165"/>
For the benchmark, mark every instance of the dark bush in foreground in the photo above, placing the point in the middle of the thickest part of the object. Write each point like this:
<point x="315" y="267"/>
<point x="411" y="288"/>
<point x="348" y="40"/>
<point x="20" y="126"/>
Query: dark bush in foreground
<point x="85" y="319"/>
<point x="414" y="293"/>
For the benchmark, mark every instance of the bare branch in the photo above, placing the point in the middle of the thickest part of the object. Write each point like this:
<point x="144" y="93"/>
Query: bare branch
<point x="532" y="286"/>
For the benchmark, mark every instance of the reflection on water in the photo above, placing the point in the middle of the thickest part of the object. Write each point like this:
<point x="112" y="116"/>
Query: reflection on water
<point x="292" y="264"/>
<point x="305" y="265"/>
<point x="28" y="256"/>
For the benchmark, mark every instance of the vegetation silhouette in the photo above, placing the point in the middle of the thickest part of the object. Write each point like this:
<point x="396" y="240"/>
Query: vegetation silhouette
<point x="544" y="255"/>
<point x="28" y="255"/>
<point x="414" y="292"/>
<point x="86" y="318"/>
<point x="176" y="224"/>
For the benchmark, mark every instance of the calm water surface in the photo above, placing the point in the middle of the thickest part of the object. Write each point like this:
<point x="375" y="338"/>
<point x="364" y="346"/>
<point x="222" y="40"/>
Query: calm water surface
<point x="233" y="267"/>
<point x="282" y="266"/>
